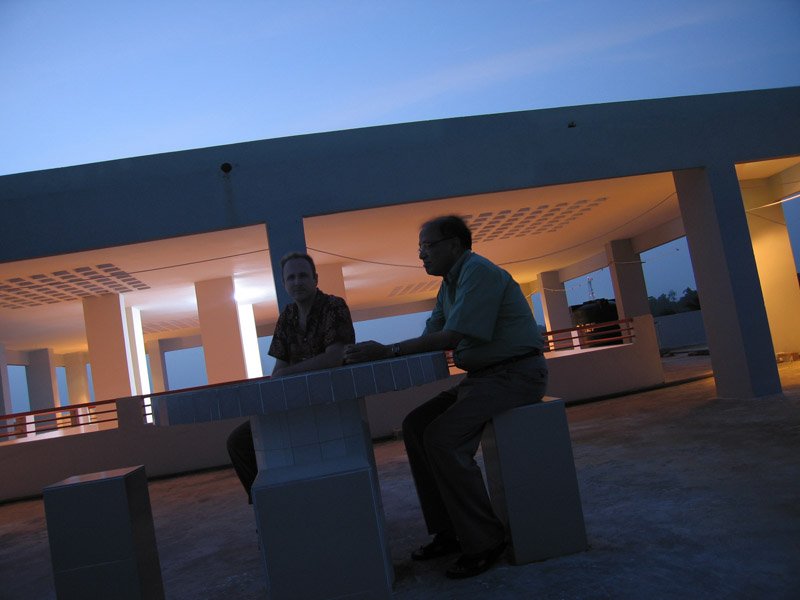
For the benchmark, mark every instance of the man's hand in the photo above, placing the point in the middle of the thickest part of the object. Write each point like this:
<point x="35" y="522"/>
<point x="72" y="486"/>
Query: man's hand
<point x="366" y="351"/>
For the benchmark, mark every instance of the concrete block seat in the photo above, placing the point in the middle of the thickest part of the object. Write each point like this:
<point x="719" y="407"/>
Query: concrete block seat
<point x="532" y="482"/>
<point x="102" y="539"/>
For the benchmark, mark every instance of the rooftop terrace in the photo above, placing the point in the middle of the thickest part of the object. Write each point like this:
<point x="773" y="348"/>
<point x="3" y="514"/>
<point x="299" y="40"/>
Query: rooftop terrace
<point x="684" y="496"/>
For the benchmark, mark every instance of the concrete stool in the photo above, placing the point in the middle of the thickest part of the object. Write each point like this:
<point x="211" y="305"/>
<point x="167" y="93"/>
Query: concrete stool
<point x="102" y="540"/>
<point x="531" y="477"/>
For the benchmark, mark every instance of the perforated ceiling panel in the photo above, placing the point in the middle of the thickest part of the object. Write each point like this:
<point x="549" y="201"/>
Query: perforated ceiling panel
<point x="415" y="288"/>
<point x="171" y="325"/>
<point x="503" y="224"/>
<point x="66" y="286"/>
<point x="527" y="220"/>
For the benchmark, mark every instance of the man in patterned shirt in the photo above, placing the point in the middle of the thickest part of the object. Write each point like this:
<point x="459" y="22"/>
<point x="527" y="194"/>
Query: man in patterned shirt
<point x="311" y="333"/>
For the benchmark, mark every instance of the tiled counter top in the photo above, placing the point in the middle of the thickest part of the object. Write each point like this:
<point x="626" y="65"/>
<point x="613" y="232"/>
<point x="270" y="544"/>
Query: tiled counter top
<point x="268" y="395"/>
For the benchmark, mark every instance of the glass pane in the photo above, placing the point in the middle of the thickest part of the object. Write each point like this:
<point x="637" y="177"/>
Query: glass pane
<point x="18" y="383"/>
<point x="185" y="368"/>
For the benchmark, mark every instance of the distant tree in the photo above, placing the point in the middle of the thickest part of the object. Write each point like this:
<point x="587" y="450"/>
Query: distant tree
<point x="689" y="301"/>
<point x="669" y="303"/>
<point x="661" y="306"/>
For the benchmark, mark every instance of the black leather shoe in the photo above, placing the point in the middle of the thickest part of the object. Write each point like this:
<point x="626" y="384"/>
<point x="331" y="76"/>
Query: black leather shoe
<point x="469" y="565"/>
<point x="442" y="545"/>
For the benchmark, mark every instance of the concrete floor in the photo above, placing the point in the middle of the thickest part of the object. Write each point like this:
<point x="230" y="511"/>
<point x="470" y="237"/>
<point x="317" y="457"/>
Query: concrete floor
<point x="684" y="496"/>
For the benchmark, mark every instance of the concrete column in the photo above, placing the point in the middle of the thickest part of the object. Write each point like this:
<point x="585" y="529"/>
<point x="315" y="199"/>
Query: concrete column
<point x="529" y="288"/>
<point x="78" y="385"/>
<point x="5" y="390"/>
<point x="556" y="310"/>
<point x="734" y="316"/>
<point x="630" y="291"/>
<point x="41" y="377"/>
<point x="42" y="385"/>
<point x="331" y="280"/>
<point x="133" y="319"/>
<point x="776" y="266"/>
<point x="77" y="379"/>
<point x="554" y="301"/>
<point x="627" y="276"/>
<point x="285" y="235"/>
<point x="109" y="350"/>
<point x="158" y="371"/>
<point x="226" y="343"/>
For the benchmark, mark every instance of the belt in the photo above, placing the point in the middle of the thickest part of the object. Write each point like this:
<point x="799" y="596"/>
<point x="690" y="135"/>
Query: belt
<point x="508" y="361"/>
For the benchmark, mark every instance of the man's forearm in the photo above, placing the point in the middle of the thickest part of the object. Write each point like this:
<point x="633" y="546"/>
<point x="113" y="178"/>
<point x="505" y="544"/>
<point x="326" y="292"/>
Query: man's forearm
<point x="429" y="342"/>
<point x="332" y="357"/>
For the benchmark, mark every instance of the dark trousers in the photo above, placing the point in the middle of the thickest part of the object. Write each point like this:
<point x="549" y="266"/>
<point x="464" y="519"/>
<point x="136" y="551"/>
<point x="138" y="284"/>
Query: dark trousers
<point x="442" y="437"/>
<point x="243" y="456"/>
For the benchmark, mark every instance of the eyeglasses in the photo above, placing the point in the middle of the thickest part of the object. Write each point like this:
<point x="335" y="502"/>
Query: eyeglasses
<point x="425" y="246"/>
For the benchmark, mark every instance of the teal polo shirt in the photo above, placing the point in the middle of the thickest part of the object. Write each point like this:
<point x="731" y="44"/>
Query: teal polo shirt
<point x="483" y="302"/>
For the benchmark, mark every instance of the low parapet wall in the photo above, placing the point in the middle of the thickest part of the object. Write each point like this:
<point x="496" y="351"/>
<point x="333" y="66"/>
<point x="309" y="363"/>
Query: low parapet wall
<point x="592" y="372"/>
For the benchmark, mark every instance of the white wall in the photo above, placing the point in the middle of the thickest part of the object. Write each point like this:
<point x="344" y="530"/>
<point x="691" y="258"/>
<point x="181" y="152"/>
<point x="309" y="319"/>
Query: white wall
<point x="581" y="374"/>
<point x="680" y="330"/>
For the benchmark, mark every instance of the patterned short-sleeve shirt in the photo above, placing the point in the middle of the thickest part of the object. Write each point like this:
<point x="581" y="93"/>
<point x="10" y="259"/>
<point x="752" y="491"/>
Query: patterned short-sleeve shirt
<point x="328" y="322"/>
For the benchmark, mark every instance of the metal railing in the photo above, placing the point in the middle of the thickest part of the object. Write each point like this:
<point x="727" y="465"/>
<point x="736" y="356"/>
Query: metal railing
<point x="582" y="336"/>
<point x="102" y="414"/>
<point x="591" y="335"/>
<point x="21" y="424"/>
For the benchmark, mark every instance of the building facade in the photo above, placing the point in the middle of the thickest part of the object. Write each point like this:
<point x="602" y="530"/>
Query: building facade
<point x="115" y="263"/>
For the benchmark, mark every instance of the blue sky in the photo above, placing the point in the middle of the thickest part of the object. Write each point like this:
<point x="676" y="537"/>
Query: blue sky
<point x="86" y="81"/>
<point x="90" y="80"/>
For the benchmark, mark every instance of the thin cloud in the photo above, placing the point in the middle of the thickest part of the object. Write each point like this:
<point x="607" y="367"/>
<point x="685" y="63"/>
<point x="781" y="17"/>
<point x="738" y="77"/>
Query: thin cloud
<point x="508" y="66"/>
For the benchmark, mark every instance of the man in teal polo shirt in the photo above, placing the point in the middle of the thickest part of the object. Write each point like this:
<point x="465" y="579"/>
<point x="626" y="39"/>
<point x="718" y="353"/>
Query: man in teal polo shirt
<point x="483" y="316"/>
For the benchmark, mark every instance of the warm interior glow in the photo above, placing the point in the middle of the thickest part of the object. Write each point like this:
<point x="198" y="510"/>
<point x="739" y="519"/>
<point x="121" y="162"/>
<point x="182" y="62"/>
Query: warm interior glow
<point x="247" y="327"/>
<point x="251" y="294"/>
